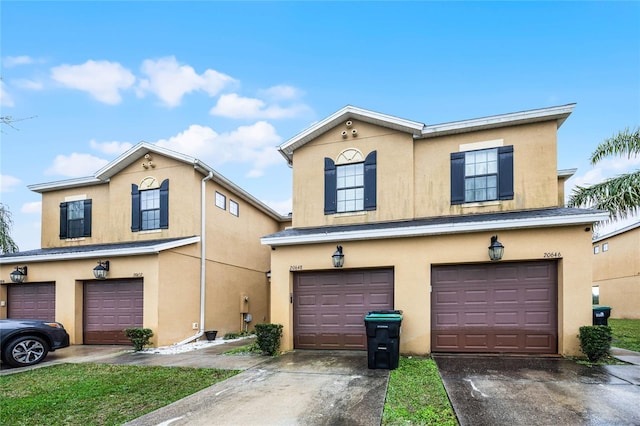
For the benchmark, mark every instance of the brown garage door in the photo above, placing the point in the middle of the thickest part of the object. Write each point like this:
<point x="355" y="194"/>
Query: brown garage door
<point x="109" y="308"/>
<point x="32" y="301"/>
<point x="329" y="307"/>
<point x="497" y="307"/>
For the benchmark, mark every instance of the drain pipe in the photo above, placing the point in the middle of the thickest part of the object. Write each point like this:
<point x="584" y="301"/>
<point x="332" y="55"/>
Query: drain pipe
<point x="203" y="260"/>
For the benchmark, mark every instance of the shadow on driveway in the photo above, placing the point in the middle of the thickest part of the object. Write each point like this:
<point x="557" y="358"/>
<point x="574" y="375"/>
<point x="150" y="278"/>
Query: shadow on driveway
<point x="494" y="390"/>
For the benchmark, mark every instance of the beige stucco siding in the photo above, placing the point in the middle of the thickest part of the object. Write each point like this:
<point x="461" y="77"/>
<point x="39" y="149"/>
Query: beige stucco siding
<point x="412" y="259"/>
<point x="617" y="274"/>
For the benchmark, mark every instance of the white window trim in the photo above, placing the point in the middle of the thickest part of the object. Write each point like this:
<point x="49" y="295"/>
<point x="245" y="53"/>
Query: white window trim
<point x="475" y="146"/>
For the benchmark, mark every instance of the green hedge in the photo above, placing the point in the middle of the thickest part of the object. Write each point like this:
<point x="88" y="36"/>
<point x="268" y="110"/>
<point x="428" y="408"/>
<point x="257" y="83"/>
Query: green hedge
<point x="595" y="341"/>
<point x="268" y="338"/>
<point x="140" y="337"/>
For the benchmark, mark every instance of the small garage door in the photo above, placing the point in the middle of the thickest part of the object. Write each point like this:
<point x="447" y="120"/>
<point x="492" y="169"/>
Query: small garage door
<point x="497" y="307"/>
<point x="32" y="301"/>
<point x="109" y="308"/>
<point x="329" y="307"/>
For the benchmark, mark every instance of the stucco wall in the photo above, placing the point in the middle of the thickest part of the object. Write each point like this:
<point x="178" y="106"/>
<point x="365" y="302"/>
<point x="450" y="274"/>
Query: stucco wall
<point x="412" y="259"/>
<point x="617" y="273"/>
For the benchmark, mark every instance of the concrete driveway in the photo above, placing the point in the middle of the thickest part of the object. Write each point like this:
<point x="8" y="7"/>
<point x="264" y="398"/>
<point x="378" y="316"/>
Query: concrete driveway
<point x="492" y="390"/>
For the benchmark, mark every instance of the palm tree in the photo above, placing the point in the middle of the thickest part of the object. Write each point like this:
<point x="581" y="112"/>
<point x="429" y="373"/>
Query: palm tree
<point x="619" y="195"/>
<point x="7" y="245"/>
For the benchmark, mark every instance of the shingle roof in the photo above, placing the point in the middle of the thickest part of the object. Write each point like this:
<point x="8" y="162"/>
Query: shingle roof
<point x="438" y="225"/>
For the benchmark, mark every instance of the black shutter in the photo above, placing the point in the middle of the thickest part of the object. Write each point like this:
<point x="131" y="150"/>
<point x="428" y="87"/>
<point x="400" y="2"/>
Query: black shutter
<point x="457" y="177"/>
<point x="505" y="172"/>
<point x="164" y="204"/>
<point x="329" y="186"/>
<point x="370" y="181"/>
<point x="63" y="221"/>
<point x="87" y="218"/>
<point x="135" y="208"/>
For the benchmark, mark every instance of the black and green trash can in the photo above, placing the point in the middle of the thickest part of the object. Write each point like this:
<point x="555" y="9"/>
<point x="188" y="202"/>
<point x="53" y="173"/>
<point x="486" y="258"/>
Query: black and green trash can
<point x="383" y="338"/>
<point x="601" y="315"/>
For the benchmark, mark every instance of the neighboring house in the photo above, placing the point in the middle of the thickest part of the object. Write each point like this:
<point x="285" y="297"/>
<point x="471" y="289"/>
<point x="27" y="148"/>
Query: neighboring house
<point x="616" y="271"/>
<point x="414" y="208"/>
<point x="171" y="229"/>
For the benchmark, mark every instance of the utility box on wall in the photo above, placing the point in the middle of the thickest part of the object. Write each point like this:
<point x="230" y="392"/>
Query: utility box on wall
<point x="244" y="303"/>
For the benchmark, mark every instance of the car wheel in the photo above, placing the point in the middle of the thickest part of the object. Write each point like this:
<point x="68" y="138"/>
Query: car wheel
<point x="25" y="350"/>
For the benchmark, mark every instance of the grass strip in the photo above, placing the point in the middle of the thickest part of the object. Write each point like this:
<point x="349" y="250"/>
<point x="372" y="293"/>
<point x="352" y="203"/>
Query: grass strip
<point x="416" y="395"/>
<point x="625" y="333"/>
<point x="97" y="394"/>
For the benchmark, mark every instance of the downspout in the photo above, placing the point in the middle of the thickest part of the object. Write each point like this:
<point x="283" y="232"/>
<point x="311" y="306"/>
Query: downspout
<point x="203" y="260"/>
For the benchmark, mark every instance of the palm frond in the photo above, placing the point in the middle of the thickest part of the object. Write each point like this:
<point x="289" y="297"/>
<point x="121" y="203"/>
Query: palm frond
<point x="626" y="142"/>
<point x="620" y="196"/>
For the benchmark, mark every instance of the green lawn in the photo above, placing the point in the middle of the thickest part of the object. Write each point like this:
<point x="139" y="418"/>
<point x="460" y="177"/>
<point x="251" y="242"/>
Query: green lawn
<point x="626" y="333"/>
<point x="96" y="394"/>
<point x="416" y="395"/>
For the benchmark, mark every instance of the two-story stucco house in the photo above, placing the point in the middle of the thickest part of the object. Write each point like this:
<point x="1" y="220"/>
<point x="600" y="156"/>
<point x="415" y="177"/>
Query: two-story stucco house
<point x="179" y="244"/>
<point x="616" y="271"/>
<point x="414" y="208"/>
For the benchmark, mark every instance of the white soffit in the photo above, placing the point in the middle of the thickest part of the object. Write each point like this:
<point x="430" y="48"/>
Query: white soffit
<point x="440" y="229"/>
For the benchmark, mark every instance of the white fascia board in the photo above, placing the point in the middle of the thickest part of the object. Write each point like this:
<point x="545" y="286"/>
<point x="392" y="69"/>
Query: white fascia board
<point x="558" y="113"/>
<point x="65" y="184"/>
<point x="427" y="230"/>
<point x="617" y="232"/>
<point x="116" y="252"/>
<point x="566" y="173"/>
<point x="315" y="130"/>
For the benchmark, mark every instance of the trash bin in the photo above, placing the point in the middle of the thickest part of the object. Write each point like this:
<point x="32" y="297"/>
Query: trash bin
<point x="601" y="315"/>
<point x="383" y="338"/>
<point x="211" y="334"/>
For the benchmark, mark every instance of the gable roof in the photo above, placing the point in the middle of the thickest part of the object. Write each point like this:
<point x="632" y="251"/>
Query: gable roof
<point x="420" y="130"/>
<point x="133" y="155"/>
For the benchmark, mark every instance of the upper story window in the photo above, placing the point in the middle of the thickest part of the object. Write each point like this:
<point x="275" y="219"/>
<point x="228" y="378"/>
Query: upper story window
<point x="150" y="205"/>
<point x="482" y="175"/>
<point x="75" y="219"/>
<point x="234" y="209"/>
<point x="605" y="246"/>
<point x="596" y="249"/>
<point x="221" y="201"/>
<point x="350" y="182"/>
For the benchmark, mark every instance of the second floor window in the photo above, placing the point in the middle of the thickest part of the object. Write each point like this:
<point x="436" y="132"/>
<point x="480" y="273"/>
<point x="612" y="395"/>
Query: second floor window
<point x="75" y="219"/>
<point x="350" y="187"/>
<point x="150" y="207"/>
<point x="482" y="175"/>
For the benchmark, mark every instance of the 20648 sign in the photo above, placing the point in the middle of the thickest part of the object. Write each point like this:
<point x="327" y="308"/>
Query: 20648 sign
<point x="552" y="254"/>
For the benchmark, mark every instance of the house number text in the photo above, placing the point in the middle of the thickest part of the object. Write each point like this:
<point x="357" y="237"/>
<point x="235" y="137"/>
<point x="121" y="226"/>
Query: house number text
<point x="553" y="254"/>
<point x="137" y="274"/>
<point x="295" y="268"/>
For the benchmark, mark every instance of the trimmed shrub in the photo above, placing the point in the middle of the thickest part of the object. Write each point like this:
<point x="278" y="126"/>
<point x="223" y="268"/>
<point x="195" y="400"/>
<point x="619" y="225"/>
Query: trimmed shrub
<point x="595" y="341"/>
<point x="139" y="337"/>
<point x="268" y="338"/>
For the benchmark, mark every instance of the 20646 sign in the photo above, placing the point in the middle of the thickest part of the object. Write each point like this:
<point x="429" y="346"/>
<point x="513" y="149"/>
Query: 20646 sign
<point x="552" y="255"/>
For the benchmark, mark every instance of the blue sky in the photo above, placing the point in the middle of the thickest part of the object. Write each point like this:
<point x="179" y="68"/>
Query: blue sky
<point x="227" y="82"/>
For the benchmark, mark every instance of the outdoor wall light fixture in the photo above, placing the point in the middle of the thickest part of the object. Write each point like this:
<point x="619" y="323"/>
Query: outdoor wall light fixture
<point x="338" y="258"/>
<point x="100" y="271"/>
<point x="496" y="249"/>
<point x="19" y="274"/>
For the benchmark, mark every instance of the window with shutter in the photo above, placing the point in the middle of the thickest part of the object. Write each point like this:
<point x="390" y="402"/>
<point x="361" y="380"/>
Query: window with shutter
<point x="482" y="175"/>
<point x="350" y="187"/>
<point x="75" y="219"/>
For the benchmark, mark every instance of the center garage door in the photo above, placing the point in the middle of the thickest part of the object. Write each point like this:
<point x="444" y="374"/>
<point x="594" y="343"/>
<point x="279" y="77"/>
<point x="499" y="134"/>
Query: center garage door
<point x="329" y="307"/>
<point x="32" y="301"/>
<point x="109" y="308"/>
<point x="497" y="307"/>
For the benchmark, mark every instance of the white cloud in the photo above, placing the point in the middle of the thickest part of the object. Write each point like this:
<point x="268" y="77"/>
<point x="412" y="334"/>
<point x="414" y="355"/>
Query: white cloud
<point x="24" y="83"/>
<point x="607" y="168"/>
<point x="8" y="183"/>
<point x="234" y="106"/>
<point x="5" y="99"/>
<point x="281" y="92"/>
<point x="75" y="165"/>
<point x="110" y="148"/>
<point x="283" y="207"/>
<point x="32" y="207"/>
<point x="253" y="145"/>
<point x="170" y="81"/>
<point x="102" y="79"/>
<point x="12" y="61"/>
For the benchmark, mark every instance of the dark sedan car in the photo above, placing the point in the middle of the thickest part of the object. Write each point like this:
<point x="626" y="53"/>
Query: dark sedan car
<point x="26" y="342"/>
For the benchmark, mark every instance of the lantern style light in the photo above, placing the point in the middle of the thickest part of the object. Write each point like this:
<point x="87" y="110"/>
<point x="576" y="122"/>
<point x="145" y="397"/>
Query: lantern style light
<point x="496" y="249"/>
<point x="338" y="258"/>
<point x="100" y="271"/>
<point x="19" y="274"/>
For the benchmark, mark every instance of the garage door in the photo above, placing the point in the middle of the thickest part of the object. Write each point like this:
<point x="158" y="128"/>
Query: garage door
<point x="109" y="308"/>
<point x="329" y="307"/>
<point x="497" y="307"/>
<point x="32" y="301"/>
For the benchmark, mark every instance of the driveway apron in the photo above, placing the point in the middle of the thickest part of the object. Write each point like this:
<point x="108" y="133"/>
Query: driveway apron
<point x="296" y="388"/>
<point x="494" y="390"/>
